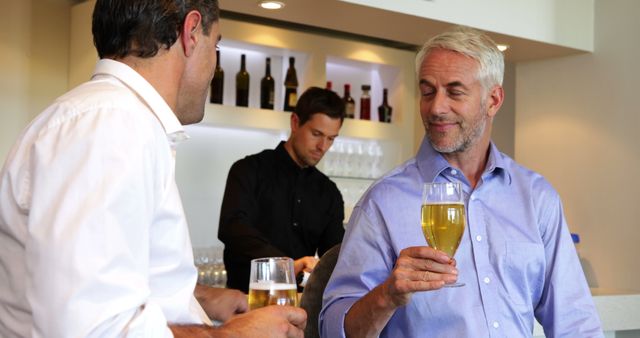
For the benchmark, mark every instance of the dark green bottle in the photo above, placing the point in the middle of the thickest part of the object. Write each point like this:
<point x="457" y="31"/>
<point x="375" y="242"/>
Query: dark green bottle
<point x="217" y="84"/>
<point x="267" y="87"/>
<point x="242" y="84"/>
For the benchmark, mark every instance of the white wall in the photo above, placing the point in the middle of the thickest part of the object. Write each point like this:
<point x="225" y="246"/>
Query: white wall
<point x="577" y="123"/>
<point x="34" y="47"/>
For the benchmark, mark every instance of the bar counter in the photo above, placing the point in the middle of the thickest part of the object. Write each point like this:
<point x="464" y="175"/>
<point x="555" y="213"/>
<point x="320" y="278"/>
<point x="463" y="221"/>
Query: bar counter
<point x="619" y="312"/>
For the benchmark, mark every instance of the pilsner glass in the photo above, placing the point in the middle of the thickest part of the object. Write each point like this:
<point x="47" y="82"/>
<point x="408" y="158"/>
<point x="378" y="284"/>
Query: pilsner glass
<point x="443" y="217"/>
<point x="272" y="282"/>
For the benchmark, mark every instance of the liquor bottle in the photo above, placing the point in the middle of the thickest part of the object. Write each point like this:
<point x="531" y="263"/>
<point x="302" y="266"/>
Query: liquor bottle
<point x="217" y="84"/>
<point x="349" y="103"/>
<point x="329" y="85"/>
<point x="384" y="110"/>
<point x="267" y="86"/>
<point x="291" y="87"/>
<point x="242" y="84"/>
<point x="365" y="103"/>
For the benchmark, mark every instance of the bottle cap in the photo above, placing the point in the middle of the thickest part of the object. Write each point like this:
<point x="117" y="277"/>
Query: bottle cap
<point x="366" y="87"/>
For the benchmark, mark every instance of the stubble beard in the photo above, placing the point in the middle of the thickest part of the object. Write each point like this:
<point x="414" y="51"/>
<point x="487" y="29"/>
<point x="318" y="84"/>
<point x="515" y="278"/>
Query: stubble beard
<point x="305" y="161"/>
<point x="469" y="133"/>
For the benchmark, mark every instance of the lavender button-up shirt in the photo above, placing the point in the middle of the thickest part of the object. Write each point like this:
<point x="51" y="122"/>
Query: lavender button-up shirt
<point x="516" y="256"/>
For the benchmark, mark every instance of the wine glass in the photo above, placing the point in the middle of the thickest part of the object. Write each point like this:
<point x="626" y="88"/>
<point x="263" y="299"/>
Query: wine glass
<point x="272" y="282"/>
<point x="443" y="217"/>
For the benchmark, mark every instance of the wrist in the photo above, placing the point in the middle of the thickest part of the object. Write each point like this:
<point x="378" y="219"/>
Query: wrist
<point x="385" y="300"/>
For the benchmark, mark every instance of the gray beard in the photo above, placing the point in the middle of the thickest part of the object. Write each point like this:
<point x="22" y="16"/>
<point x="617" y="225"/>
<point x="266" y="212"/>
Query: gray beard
<point x="465" y="140"/>
<point x="463" y="143"/>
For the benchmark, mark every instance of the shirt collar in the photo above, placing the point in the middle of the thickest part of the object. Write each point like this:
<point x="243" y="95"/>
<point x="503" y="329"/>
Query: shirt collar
<point x="431" y="163"/>
<point x="128" y="76"/>
<point x="286" y="159"/>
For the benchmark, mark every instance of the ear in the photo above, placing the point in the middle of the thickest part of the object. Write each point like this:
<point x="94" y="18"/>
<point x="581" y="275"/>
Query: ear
<point x="189" y="32"/>
<point x="295" y="122"/>
<point x="495" y="99"/>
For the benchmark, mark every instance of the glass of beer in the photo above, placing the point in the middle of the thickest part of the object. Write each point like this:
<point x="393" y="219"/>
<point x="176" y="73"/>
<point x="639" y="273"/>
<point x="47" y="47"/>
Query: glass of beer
<point x="443" y="217"/>
<point x="272" y="282"/>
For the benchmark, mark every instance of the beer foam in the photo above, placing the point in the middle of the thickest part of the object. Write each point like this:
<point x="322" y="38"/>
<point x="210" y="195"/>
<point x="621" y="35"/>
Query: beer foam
<point x="444" y="203"/>
<point x="271" y="286"/>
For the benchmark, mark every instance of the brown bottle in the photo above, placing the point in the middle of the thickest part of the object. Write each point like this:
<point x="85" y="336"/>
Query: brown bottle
<point x="349" y="103"/>
<point x="291" y="87"/>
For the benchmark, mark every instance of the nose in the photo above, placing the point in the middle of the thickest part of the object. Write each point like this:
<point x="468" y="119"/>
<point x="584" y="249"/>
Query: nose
<point x="323" y="145"/>
<point x="436" y="104"/>
<point x="439" y="103"/>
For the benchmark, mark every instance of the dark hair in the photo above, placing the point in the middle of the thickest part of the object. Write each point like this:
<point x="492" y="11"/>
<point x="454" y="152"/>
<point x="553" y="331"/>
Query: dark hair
<point x="142" y="27"/>
<point x="317" y="100"/>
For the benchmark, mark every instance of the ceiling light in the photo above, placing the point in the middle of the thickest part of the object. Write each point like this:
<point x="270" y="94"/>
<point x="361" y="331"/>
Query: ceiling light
<point x="271" y="4"/>
<point x="502" y="48"/>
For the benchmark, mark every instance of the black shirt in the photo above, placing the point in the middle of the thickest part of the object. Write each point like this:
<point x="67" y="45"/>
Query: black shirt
<point x="272" y="207"/>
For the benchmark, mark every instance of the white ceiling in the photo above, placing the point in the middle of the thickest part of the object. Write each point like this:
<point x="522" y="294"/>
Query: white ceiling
<point x="370" y="22"/>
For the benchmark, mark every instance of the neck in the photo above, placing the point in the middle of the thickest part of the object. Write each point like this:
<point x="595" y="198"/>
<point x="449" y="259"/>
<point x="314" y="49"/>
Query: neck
<point x="163" y="72"/>
<point x="288" y="146"/>
<point x="472" y="162"/>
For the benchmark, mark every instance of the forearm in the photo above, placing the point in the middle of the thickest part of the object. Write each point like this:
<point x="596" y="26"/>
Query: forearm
<point x="196" y="331"/>
<point x="369" y="315"/>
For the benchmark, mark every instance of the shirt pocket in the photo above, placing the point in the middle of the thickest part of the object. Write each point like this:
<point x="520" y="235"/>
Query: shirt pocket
<point x="525" y="269"/>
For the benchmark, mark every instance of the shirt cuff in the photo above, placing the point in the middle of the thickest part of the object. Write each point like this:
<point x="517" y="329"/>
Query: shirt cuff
<point x="331" y="322"/>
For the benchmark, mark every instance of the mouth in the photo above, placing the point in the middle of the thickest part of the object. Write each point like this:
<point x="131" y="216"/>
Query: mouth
<point x="441" y="126"/>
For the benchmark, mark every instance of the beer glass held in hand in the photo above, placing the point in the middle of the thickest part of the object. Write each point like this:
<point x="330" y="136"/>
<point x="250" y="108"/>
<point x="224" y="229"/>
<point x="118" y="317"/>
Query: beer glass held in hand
<point x="272" y="282"/>
<point x="443" y="217"/>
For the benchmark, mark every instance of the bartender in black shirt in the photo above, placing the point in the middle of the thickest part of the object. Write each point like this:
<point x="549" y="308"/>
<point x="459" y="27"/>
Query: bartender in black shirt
<point x="276" y="203"/>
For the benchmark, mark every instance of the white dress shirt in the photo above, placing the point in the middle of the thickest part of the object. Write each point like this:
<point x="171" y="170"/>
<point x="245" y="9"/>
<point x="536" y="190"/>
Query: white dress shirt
<point x="93" y="237"/>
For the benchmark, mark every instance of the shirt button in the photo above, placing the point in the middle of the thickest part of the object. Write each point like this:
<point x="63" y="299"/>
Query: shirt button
<point x="478" y="238"/>
<point x="295" y="224"/>
<point x="487" y="280"/>
<point x="473" y="197"/>
<point x="454" y="172"/>
<point x="298" y="200"/>
<point x="496" y="325"/>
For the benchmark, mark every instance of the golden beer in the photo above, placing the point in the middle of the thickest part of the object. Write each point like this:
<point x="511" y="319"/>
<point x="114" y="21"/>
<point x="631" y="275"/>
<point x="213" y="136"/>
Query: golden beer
<point x="443" y="225"/>
<point x="263" y="294"/>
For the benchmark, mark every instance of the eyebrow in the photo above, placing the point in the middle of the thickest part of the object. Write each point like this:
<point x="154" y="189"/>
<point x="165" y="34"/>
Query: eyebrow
<point x="448" y="85"/>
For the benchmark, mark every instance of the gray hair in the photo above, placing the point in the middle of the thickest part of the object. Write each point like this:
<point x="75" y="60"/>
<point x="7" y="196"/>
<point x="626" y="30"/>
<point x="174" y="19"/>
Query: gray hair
<point x="471" y="43"/>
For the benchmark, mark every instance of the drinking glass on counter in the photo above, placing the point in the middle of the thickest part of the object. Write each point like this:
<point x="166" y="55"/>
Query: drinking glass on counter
<point x="443" y="217"/>
<point x="272" y="282"/>
<point x="211" y="270"/>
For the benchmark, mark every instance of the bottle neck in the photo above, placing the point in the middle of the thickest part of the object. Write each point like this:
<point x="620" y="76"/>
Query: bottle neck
<point x="243" y="66"/>
<point x="268" y="69"/>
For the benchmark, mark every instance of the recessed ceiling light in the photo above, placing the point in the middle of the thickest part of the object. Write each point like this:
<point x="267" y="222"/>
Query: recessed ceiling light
<point x="502" y="48"/>
<point x="271" y="4"/>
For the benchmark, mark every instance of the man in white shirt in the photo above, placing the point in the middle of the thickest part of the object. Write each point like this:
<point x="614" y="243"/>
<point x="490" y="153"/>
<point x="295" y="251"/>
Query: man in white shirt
<point x="93" y="237"/>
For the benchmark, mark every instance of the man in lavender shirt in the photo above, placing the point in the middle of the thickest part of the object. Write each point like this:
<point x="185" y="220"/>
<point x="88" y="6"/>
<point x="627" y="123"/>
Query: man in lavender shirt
<point x="516" y="257"/>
